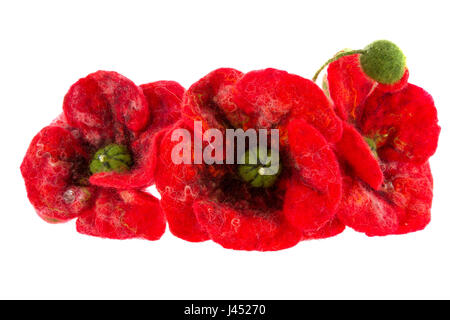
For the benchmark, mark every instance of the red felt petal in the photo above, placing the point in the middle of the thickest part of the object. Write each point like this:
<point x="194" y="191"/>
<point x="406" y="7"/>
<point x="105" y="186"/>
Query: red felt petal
<point x="313" y="156"/>
<point x="53" y="170"/>
<point x="102" y="103"/>
<point x="309" y="210"/>
<point x="173" y="175"/>
<point x="403" y="204"/>
<point x="356" y="152"/>
<point x="164" y="101"/>
<point x="87" y="109"/>
<point x="249" y="230"/>
<point x="210" y="100"/>
<point x="348" y="86"/>
<point x="270" y="95"/>
<point x="177" y="207"/>
<point x="412" y="189"/>
<point x="330" y="229"/>
<point x="259" y="93"/>
<point x="126" y="100"/>
<point x="366" y="211"/>
<point x="312" y="198"/>
<point x="405" y="122"/>
<point x="123" y="215"/>
<point x="178" y="185"/>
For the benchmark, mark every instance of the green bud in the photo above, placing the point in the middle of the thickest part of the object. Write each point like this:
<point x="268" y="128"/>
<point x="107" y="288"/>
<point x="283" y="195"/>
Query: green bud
<point x="383" y="61"/>
<point x="113" y="157"/>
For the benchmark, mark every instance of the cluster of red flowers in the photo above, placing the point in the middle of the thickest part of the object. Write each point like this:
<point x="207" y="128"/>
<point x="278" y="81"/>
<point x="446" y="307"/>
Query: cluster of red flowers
<point x="353" y="154"/>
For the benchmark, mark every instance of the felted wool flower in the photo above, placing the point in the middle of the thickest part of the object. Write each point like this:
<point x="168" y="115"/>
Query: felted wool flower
<point x="236" y="205"/>
<point x="390" y="132"/>
<point x="92" y="162"/>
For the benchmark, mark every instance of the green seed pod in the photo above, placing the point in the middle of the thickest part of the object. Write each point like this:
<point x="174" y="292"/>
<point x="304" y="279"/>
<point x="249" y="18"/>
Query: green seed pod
<point x="113" y="157"/>
<point x="383" y="61"/>
<point x="257" y="170"/>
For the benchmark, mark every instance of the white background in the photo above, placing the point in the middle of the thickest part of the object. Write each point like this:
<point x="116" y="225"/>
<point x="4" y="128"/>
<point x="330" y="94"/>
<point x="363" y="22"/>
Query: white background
<point x="45" y="46"/>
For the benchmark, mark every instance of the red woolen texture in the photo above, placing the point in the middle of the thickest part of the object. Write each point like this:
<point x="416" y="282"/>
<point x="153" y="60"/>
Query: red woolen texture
<point x="100" y="109"/>
<point x="401" y="119"/>
<point x="181" y="218"/>
<point x="348" y="86"/>
<point x="356" y="152"/>
<point x="48" y="172"/>
<point x="177" y="185"/>
<point x="255" y="230"/>
<point x="210" y="100"/>
<point x="104" y="105"/>
<point x="163" y="99"/>
<point x="313" y="195"/>
<point x="408" y="117"/>
<point x="123" y="215"/>
<point x="248" y="230"/>
<point x="330" y="229"/>
<point x="402" y="205"/>
<point x="270" y="96"/>
<point x="211" y="202"/>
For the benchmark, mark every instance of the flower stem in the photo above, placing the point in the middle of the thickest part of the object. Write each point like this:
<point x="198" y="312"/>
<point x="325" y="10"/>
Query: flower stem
<point x="336" y="57"/>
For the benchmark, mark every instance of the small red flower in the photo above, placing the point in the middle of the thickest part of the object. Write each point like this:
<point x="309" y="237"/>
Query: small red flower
<point x="92" y="161"/>
<point x="389" y="134"/>
<point x="214" y="201"/>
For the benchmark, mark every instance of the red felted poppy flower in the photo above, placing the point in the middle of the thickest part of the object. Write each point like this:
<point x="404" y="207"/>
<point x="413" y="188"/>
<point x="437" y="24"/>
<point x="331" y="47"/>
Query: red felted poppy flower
<point x="390" y="133"/>
<point x="93" y="160"/>
<point x="233" y="204"/>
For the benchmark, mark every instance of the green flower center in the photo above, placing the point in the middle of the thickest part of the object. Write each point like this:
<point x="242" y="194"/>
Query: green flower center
<point x="258" y="168"/>
<point x="113" y="157"/>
